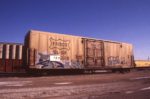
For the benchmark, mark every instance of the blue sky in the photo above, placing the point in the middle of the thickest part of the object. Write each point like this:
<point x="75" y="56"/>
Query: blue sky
<point x="118" y="20"/>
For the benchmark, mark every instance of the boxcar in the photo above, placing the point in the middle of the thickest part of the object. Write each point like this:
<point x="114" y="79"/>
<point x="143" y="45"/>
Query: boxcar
<point x="10" y="57"/>
<point x="47" y="50"/>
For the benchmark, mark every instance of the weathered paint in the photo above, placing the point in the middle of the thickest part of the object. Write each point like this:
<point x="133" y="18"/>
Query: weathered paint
<point x="20" y="48"/>
<point x="13" y="51"/>
<point x="94" y="53"/>
<point x="10" y="57"/>
<point x="69" y="48"/>
<point x="1" y="51"/>
<point x="7" y="49"/>
<point x="118" y="54"/>
<point x="76" y="52"/>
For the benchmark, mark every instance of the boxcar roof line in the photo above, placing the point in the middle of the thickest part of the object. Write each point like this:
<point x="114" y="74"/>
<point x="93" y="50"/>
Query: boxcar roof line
<point x="37" y="31"/>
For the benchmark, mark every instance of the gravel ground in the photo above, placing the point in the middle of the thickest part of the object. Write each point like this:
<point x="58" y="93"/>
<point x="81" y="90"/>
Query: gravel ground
<point x="94" y="86"/>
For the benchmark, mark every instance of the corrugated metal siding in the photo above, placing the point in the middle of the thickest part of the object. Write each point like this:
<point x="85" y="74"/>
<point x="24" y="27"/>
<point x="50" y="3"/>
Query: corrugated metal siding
<point x="75" y="52"/>
<point x="112" y="51"/>
<point x="6" y="51"/>
<point x="118" y="54"/>
<point x="13" y="52"/>
<point x="127" y="54"/>
<point x="1" y="51"/>
<point x="1" y="56"/>
<point x="70" y="48"/>
<point x="10" y="57"/>
<point x="19" y="55"/>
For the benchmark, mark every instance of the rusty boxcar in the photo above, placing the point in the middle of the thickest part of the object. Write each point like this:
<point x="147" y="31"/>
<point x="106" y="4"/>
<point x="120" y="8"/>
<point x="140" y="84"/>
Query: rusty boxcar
<point x="10" y="57"/>
<point x="46" y="50"/>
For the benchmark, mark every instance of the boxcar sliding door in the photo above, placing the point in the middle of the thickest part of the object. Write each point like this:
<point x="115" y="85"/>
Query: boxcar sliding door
<point x="93" y="53"/>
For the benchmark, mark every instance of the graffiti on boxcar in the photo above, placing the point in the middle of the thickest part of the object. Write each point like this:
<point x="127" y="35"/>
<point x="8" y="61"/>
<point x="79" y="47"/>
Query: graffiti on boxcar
<point x="112" y="60"/>
<point x="43" y="61"/>
<point x="123" y="61"/>
<point x="72" y="64"/>
<point x="59" y="44"/>
<point x="63" y="53"/>
<point x="61" y="47"/>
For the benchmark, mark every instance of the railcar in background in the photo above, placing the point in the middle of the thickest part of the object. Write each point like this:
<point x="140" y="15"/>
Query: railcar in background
<point x="53" y="51"/>
<point x="11" y="57"/>
<point x="142" y="64"/>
